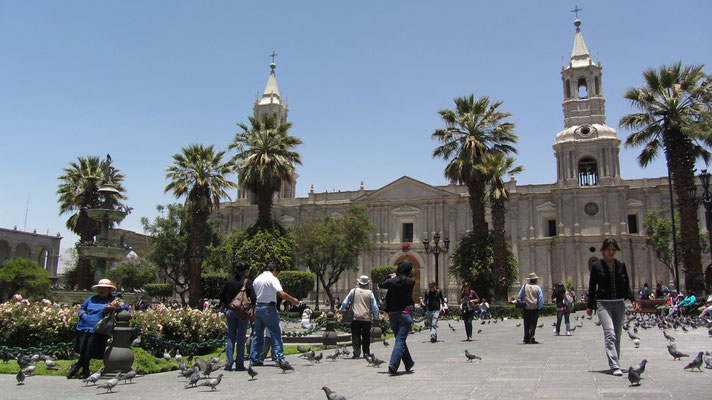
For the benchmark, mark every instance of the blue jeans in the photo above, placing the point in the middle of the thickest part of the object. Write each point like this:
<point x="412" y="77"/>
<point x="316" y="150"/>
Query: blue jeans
<point x="563" y="313"/>
<point x="401" y="324"/>
<point x="236" y="331"/>
<point x="468" y="316"/>
<point x="611" y="315"/>
<point x="266" y="316"/>
<point x="433" y="322"/>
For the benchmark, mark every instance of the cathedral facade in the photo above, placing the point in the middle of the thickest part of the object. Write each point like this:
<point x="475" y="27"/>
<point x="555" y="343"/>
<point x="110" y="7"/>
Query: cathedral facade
<point x="554" y="230"/>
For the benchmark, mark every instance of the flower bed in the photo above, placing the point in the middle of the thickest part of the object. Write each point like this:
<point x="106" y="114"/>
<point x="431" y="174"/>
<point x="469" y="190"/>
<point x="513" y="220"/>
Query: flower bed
<point x="36" y="324"/>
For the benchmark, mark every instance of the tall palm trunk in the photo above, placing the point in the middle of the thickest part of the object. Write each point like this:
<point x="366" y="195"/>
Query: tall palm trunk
<point x="264" y="205"/>
<point x="499" y="248"/>
<point x="87" y="231"/>
<point x="678" y="150"/>
<point x="197" y="247"/>
<point x="476" y="190"/>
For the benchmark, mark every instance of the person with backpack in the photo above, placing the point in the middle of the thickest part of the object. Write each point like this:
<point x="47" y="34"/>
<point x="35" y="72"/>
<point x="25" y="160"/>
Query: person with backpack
<point x="399" y="303"/>
<point x="434" y="302"/>
<point x="533" y="296"/>
<point x="363" y="304"/>
<point x="563" y="301"/>
<point x="236" y="324"/>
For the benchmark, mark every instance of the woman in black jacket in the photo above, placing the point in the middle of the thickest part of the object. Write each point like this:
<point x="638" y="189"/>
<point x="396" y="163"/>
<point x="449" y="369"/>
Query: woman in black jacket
<point x="562" y="309"/>
<point x="399" y="305"/>
<point x="608" y="287"/>
<point x="236" y="326"/>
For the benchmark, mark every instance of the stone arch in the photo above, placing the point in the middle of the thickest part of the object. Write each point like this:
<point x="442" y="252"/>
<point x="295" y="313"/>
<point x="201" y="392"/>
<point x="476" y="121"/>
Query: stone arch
<point x="23" y="250"/>
<point x="4" y="251"/>
<point x="43" y="258"/>
<point x="582" y="87"/>
<point x="414" y="259"/>
<point x="588" y="171"/>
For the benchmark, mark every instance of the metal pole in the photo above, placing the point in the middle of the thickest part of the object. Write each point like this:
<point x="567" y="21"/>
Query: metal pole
<point x="674" y="233"/>
<point x="316" y="307"/>
<point x="437" y="275"/>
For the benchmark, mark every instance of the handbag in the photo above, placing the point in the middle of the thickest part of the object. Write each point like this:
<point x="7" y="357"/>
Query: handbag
<point x="348" y="316"/>
<point x="105" y="326"/>
<point x="521" y="304"/>
<point x="242" y="305"/>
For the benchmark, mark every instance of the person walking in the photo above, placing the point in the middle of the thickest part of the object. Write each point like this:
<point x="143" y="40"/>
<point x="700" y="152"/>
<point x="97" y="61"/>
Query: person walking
<point x="267" y="288"/>
<point x="433" y="301"/>
<point x="399" y="301"/>
<point x="468" y="304"/>
<point x="236" y="326"/>
<point x="89" y="344"/>
<point x="562" y="308"/>
<point x="533" y="296"/>
<point x="608" y="288"/>
<point x="363" y="304"/>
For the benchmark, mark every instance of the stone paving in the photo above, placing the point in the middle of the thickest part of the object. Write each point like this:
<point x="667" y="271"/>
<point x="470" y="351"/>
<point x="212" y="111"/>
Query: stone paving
<point x="557" y="368"/>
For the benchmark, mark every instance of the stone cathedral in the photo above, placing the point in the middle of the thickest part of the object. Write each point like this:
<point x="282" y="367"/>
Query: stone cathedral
<point x="554" y="229"/>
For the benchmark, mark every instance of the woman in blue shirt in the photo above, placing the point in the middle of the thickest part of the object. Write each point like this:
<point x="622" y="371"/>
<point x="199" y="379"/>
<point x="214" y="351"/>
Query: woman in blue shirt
<point x="89" y="344"/>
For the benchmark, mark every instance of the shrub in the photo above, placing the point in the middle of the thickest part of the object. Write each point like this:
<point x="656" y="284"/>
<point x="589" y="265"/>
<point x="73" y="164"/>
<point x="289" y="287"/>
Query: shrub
<point x="24" y="277"/>
<point x="297" y="283"/>
<point x="379" y="273"/>
<point x="36" y="324"/>
<point x="211" y="284"/>
<point x="159" y="289"/>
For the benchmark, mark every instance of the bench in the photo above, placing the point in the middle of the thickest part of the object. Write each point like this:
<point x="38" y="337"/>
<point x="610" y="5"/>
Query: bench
<point x="649" y="306"/>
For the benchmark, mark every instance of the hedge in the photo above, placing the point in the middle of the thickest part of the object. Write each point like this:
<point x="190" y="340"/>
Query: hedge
<point x="297" y="283"/>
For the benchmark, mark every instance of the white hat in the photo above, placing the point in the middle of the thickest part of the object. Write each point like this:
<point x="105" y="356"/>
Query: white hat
<point x="104" y="283"/>
<point x="363" y="280"/>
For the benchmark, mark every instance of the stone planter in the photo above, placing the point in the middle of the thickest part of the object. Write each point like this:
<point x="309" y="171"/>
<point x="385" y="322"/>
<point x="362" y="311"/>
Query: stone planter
<point x="106" y="214"/>
<point x="105" y="252"/>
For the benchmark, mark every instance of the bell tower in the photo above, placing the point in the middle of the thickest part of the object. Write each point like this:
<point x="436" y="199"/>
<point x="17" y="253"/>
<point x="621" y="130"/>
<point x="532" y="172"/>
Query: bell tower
<point x="587" y="149"/>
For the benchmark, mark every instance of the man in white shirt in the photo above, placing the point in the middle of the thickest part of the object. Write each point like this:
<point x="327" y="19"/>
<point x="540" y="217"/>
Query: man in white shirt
<point x="267" y="288"/>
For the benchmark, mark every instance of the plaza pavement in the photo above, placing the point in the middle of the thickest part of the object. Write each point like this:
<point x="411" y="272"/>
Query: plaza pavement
<point x="558" y="368"/>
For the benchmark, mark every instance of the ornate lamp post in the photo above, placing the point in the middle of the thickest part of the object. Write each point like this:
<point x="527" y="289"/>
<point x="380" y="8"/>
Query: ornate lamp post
<point x="706" y="200"/>
<point x="436" y="250"/>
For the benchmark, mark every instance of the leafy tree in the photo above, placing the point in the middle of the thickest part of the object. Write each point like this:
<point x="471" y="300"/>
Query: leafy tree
<point x="473" y="129"/>
<point x="472" y="262"/>
<point x="133" y="273"/>
<point x="259" y="246"/>
<point x="199" y="174"/>
<point x="212" y="284"/>
<point x="493" y="167"/>
<point x="658" y="231"/>
<point x="378" y="274"/>
<point x="674" y="117"/>
<point x="265" y="159"/>
<point x="23" y="277"/>
<point x="297" y="283"/>
<point x="78" y="190"/>
<point x="332" y="246"/>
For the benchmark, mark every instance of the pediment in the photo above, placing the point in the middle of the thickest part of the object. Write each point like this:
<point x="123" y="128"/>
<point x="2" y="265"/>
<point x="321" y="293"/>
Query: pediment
<point x="633" y="203"/>
<point x="546" y="207"/>
<point x="405" y="211"/>
<point x="406" y="188"/>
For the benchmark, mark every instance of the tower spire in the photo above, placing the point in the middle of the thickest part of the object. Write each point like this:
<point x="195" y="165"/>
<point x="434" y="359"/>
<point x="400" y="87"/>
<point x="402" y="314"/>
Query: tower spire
<point x="580" y="56"/>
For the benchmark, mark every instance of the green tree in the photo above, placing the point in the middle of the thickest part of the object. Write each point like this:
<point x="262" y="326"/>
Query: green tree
<point x="297" y="283"/>
<point x="493" y="167"/>
<point x="133" y="273"/>
<point x="473" y="129"/>
<point x="674" y="117"/>
<point x="199" y="174"/>
<point x="332" y="246"/>
<point x="23" y="277"/>
<point x="658" y="231"/>
<point x="78" y="190"/>
<point x="265" y="158"/>
<point x="260" y="246"/>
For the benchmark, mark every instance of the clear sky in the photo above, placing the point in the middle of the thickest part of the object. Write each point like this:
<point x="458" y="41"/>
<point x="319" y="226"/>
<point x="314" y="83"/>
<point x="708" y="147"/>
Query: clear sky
<point x="364" y="81"/>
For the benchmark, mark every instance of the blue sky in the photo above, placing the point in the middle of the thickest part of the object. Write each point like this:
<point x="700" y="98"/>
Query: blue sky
<point x="364" y="81"/>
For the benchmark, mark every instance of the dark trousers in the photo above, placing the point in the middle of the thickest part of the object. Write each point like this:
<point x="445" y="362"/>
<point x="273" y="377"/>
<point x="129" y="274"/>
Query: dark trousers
<point x="468" y="316"/>
<point x="89" y="345"/>
<point x="530" y="319"/>
<point x="361" y="337"/>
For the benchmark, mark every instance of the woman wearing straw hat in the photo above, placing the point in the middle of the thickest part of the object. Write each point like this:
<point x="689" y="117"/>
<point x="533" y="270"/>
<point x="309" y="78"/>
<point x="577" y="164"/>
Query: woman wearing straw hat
<point x="533" y="296"/>
<point x="363" y="303"/>
<point x="89" y="344"/>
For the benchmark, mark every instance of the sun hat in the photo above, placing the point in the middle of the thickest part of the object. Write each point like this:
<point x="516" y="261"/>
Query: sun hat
<point x="532" y="276"/>
<point x="363" y="280"/>
<point x="104" y="283"/>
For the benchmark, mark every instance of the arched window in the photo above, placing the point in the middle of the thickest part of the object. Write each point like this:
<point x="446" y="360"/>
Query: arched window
<point x="22" y="251"/>
<point x="4" y="251"/>
<point x="43" y="259"/>
<point x="588" y="172"/>
<point x="582" y="88"/>
<point x="597" y="86"/>
<point x="567" y="89"/>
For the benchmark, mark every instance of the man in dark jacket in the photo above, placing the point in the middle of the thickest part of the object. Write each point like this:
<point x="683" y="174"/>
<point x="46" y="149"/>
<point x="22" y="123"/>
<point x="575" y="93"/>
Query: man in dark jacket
<point x="399" y="301"/>
<point x="433" y="301"/>
<point x="236" y="327"/>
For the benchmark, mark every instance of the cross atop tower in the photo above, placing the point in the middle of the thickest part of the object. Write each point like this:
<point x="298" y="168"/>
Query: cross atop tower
<point x="273" y="55"/>
<point x="576" y="10"/>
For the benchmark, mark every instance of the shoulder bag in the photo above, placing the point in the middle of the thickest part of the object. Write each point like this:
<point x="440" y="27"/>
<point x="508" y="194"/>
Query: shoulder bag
<point x="521" y="304"/>
<point x="348" y="316"/>
<point x="105" y="326"/>
<point x="242" y="304"/>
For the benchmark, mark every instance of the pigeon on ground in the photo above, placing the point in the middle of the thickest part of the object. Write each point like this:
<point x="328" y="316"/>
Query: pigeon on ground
<point x="519" y="324"/>
<point x="20" y="377"/>
<point x="252" y="373"/>
<point x="640" y="368"/>
<point x="166" y="356"/>
<point x="23" y="361"/>
<point x="540" y="325"/>
<point x="318" y="357"/>
<point x="367" y="357"/>
<point x="376" y="361"/>
<point x="708" y="359"/>
<point x="301" y="349"/>
<point x="385" y="343"/>
<point x="186" y="373"/>
<point x="93" y="377"/>
<point x="136" y="342"/>
<point x="471" y="356"/>
<point x="479" y="331"/>
<point x="309" y="355"/>
<point x="345" y="351"/>
<point x="213" y="382"/>
<point x="108" y="385"/>
<point x="128" y="376"/>
<point x="213" y="365"/>
<point x="676" y="355"/>
<point x="178" y="356"/>
<point x="50" y="364"/>
<point x="182" y="366"/>
<point x="597" y="323"/>
<point x="452" y="328"/>
<point x="193" y="379"/>
<point x="331" y="395"/>
<point x="29" y="370"/>
<point x="636" y="343"/>
<point x="668" y="337"/>
<point x="484" y="322"/>
<point x="632" y="336"/>
<point x="633" y="377"/>
<point x="696" y="362"/>
<point x="201" y="364"/>
<point x="332" y="357"/>
<point x="284" y="365"/>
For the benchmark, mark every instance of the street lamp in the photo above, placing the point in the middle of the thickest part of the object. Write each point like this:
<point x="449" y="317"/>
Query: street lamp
<point x="436" y="250"/>
<point x="705" y="199"/>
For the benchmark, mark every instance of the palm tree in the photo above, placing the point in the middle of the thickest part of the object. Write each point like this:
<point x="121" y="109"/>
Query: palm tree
<point x="79" y="190"/>
<point x="493" y="167"/>
<point x="199" y="174"/>
<point x="474" y="129"/>
<point x="265" y="159"/>
<point x="675" y="106"/>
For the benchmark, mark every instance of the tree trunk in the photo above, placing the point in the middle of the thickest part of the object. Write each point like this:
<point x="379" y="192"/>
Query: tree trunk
<point x="264" y="206"/>
<point x="84" y="276"/>
<point x="476" y="189"/>
<point x="197" y="247"/>
<point x="499" y="248"/>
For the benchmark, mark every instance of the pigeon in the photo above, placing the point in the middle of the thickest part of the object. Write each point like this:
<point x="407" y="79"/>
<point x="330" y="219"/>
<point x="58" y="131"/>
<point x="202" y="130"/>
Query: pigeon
<point x="252" y="373"/>
<point x="309" y="355"/>
<point x="597" y="323"/>
<point x="479" y="331"/>
<point x="376" y="361"/>
<point x="386" y="344"/>
<point x="20" y="377"/>
<point x="484" y="322"/>
<point x="708" y="359"/>
<point x="331" y="395"/>
<point x="367" y="357"/>
<point x="128" y="376"/>
<point x="50" y="364"/>
<point x="540" y="325"/>
<point x="136" y="342"/>
<point x="284" y="365"/>
<point x="318" y="357"/>
<point x="29" y="370"/>
<point x="186" y="373"/>
<point x="166" y="356"/>
<point x="632" y="336"/>
<point x="178" y="356"/>
<point x="332" y="357"/>
<point x="696" y="362"/>
<point x="214" y="365"/>
<point x="301" y="349"/>
<point x="23" y="361"/>
<point x="345" y="351"/>
<point x="471" y="356"/>
<point x="182" y="366"/>
<point x="633" y="377"/>
<point x="201" y="364"/>
<point x="636" y="343"/>
<point x="213" y="382"/>
<point x="108" y="385"/>
<point x="7" y="356"/>
<point x="93" y="377"/>
<point x="452" y="328"/>
<point x="193" y="379"/>
<point x="640" y="368"/>
<point x="676" y="355"/>
<point x="519" y="324"/>
<point x="668" y="337"/>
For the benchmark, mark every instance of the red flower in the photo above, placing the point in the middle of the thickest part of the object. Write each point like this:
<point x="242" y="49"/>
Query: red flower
<point x="405" y="248"/>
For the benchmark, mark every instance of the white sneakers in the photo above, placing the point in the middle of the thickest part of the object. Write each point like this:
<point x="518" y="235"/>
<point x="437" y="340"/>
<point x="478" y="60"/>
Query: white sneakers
<point x="617" y="372"/>
<point x="568" y="333"/>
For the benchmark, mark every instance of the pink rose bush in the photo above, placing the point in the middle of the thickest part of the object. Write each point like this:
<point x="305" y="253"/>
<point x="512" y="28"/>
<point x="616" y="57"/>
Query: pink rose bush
<point x="36" y="324"/>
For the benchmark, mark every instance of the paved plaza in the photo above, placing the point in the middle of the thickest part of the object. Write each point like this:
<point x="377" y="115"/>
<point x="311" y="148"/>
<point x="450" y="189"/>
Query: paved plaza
<point x="558" y="368"/>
